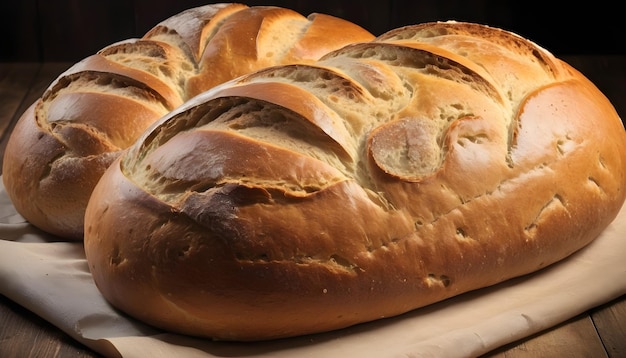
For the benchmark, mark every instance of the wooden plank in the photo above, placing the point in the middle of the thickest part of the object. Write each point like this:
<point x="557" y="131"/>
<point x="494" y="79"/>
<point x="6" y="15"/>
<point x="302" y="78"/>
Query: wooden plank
<point x="23" y="335"/>
<point x="574" y="338"/>
<point x="610" y="322"/>
<point x="15" y="81"/>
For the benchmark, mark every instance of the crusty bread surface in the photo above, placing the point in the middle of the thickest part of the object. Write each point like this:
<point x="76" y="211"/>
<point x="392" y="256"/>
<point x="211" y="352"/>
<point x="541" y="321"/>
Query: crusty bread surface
<point x="97" y="108"/>
<point x="391" y="174"/>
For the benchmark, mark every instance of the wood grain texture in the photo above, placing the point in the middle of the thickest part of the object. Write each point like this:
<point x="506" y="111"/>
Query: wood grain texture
<point x="23" y="334"/>
<point x="574" y="338"/>
<point x="610" y="323"/>
<point x="15" y="81"/>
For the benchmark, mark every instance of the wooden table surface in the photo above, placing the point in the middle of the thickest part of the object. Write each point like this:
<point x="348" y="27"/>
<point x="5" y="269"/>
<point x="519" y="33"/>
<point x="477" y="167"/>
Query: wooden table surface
<point x="600" y="332"/>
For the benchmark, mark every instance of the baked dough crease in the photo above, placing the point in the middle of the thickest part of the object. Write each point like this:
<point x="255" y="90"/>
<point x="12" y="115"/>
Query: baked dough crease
<point x="65" y="140"/>
<point x="390" y="174"/>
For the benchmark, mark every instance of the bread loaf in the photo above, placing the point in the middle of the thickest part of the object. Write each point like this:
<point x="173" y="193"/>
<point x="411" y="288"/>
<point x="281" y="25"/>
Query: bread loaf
<point x="63" y="143"/>
<point x="391" y="174"/>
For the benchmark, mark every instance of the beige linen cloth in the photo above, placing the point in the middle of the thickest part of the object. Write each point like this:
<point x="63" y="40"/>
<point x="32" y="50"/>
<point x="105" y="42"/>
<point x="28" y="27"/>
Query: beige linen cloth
<point x="51" y="278"/>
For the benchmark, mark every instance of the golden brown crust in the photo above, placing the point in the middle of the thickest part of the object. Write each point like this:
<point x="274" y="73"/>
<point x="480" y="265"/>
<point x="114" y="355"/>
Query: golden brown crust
<point x="102" y="104"/>
<point x="387" y="176"/>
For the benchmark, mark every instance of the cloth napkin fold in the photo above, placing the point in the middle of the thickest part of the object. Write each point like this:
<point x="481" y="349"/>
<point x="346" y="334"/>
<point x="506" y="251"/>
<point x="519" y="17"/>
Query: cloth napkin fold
<point x="51" y="278"/>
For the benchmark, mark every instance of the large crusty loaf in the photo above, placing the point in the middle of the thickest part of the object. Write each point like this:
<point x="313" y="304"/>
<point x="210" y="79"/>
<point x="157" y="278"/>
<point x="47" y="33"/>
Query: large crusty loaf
<point x="437" y="159"/>
<point x="63" y="143"/>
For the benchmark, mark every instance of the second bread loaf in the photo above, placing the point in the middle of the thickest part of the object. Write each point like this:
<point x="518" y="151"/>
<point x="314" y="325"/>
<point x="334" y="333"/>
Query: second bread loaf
<point x="63" y="143"/>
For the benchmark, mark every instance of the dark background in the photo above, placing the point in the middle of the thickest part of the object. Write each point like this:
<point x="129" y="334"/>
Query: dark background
<point x="69" y="30"/>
